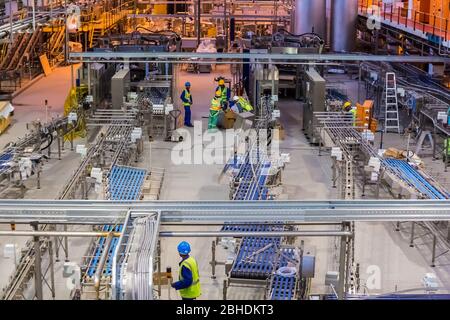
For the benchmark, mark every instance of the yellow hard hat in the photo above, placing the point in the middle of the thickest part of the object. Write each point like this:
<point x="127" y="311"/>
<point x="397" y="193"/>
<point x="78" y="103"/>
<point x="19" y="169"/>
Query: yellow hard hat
<point x="218" y="93"/>
<point x="221" y="82"/>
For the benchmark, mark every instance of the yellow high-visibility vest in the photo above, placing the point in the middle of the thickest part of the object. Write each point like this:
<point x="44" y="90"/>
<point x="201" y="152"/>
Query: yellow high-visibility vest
<point x="215" y="104"/>
<point x="187" y="95"/>
<point x="193" y="291"/>
<point x="245" y="105"/>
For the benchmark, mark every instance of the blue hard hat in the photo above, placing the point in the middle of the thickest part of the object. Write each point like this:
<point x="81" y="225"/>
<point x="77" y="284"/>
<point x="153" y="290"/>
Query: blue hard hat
<point x="184" y="247"/>
<point x="187" y="84"/>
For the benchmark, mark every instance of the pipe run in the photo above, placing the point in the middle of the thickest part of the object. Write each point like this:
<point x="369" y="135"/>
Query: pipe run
<point x="212" y="234"/>
<point x="101" y="265"/>
<point x="58" y="234"/>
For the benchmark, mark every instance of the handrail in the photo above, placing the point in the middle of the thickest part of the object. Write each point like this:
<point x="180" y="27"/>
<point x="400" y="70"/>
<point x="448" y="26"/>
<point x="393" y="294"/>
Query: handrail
<point x="410" y="18"/>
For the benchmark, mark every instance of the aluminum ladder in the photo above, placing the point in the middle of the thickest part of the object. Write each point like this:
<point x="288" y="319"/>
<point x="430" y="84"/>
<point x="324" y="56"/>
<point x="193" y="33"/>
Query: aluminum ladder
<point x="391" y="120"/>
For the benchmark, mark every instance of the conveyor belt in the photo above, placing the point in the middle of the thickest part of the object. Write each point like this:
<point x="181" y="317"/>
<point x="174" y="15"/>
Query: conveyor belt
<point x="283" y="287"/>
<point x="4" y="159"/>
<point x="124" y="184"/>
<point x="257" y="256"/>
<point x="413" y="177"/>
<point x="248" y="263"/>
<point x="252" y="178"/>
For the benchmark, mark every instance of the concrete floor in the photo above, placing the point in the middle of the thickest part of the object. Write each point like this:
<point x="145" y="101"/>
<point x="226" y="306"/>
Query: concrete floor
<point x="306" y="177"/>
<point x="29" y="106"/>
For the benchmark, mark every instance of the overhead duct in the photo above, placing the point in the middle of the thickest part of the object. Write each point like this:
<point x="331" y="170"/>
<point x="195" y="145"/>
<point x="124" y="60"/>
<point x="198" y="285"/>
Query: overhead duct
<point x="310" y="16"/>
<point x="344" y="15"/>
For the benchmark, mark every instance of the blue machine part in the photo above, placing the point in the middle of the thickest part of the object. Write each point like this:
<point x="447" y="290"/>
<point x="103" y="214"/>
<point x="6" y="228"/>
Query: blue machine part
<point x="413" y="177"/>
<point x="124" y="184"/>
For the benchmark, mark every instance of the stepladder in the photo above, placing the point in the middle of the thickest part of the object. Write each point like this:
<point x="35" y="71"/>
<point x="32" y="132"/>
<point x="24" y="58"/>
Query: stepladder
<point x="391" y="120"/>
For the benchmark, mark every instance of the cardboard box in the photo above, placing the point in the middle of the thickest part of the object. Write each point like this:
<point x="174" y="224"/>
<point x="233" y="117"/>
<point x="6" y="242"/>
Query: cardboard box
<point x="393" y="153"/>
<point x="229" y="119"/>
<point x="279" y="132"/>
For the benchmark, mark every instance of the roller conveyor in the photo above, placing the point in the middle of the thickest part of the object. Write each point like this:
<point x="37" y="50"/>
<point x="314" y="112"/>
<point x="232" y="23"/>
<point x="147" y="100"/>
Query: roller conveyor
<point x="413" y="177"/>
<point x="124" y="184"/>
<point x="259" y="257"/>
<point x="256" y="254"/>
<point x="283" y="287"/>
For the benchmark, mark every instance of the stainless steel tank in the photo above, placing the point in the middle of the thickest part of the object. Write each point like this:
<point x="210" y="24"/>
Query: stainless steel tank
<point x="344" y="16"/>
<point x="310" y="16"/>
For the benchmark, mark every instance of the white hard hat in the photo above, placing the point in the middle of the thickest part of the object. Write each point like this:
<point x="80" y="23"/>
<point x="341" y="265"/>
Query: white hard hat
<point x="235" y="98"/>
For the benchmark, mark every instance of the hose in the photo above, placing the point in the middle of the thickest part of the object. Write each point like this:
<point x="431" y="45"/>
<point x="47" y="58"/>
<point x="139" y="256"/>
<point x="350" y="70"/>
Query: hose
<point x="50" y="139"/>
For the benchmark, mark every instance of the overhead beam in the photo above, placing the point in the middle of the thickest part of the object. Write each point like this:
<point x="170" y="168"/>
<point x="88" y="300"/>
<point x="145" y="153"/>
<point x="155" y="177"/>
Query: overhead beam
<point x="193" y="57"/>
<point x="103" y="212"/>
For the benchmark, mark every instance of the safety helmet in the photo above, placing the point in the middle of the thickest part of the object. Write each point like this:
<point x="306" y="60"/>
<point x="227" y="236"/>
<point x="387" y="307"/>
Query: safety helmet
<point x="235" y="98"/>
<point x="184" y="248"/>
<point x="347" y="106"/>
<point x="187" y="84"/>
<point x="218" y="93"/>
<point x="221" y="82"/>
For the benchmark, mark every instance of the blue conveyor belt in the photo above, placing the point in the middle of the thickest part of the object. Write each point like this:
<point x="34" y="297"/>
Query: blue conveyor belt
<point x="4" y="159"/>
<point x="283" y="287"/>
<point x="252" y="179"/>
<point x="414" y="178"/>
<point x="124" y="184"/>
<point x="248" y="265"/>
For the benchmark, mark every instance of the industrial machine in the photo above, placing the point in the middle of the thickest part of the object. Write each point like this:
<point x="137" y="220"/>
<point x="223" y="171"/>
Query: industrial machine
<point x="314" y="89"/>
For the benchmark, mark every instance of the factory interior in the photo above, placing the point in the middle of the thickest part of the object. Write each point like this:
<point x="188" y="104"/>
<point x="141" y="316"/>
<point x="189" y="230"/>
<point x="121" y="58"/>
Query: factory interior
<point x="301" y="148"/>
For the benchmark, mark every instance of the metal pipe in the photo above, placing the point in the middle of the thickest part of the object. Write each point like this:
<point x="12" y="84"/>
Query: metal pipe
<point x="101" y="265"/>
<point x="210" y="234"/>
<point x="85" y="56"/>
<point x="57" y="234"/>
<point x="209" y="224"/>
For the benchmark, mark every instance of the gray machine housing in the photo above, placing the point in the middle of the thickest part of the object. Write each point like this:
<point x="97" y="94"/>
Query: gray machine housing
<point x="120" y="86"/>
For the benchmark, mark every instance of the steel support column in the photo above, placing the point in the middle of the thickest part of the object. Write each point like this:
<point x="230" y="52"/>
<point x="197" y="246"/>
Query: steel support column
<point x="37" y="263"/>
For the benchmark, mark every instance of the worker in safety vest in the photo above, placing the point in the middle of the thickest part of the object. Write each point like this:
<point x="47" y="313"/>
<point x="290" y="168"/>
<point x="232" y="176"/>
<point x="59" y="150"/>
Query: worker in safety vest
<point x="189" y="280"/>
<point x="240" y="104"/>
<point x="186" y="98"/>
<point x="214" y="111"/>
<point x="349" y="108"/>
<point x="446" y="152"/>
<point x="224" y="93"/>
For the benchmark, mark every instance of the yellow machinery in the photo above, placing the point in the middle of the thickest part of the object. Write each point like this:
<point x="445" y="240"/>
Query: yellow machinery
<point x="72" y="105"/>
<point x="364" y="116"/>
<point x="6" y="111"/>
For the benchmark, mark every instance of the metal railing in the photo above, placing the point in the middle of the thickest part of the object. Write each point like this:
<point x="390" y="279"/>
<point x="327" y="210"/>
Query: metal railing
<point x="430" y="24"/>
